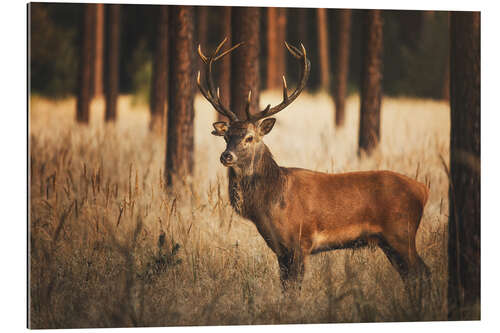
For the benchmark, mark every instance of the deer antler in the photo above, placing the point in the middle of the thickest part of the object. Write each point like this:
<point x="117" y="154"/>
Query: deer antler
<point x="211" y="94"/>
<point x="287" y="99"/>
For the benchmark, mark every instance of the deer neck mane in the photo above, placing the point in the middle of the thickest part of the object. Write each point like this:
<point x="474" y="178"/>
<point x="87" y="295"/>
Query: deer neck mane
<point x="257" y="185"/>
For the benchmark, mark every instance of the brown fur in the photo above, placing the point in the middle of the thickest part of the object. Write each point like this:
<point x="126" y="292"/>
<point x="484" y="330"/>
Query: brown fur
<point x="300" y="212"/>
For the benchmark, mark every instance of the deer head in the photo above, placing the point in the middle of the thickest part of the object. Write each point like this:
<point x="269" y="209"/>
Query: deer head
<point x="244" y="137"/>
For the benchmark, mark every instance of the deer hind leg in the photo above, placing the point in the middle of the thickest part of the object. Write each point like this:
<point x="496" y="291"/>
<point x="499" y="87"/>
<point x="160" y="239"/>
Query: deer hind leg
<point x="292" y="269"/>
<point x="415" y="274"/>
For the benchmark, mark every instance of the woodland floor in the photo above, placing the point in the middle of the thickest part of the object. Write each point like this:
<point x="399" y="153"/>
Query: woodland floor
<point x="98" y="207"/>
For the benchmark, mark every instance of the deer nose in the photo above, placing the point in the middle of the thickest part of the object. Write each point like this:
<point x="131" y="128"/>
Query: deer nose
<point x="227" y="158"/>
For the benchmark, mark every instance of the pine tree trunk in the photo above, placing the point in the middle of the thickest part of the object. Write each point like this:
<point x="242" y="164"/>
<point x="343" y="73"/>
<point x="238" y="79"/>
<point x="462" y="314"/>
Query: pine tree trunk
<point x="272" y="47"/>
<point x="83" y="102"/>
<point x="343" y="32"/>
<point x="201" y="25"/>
<point x="225" y="63"/>
<point x="245" y="61"/>
<point x="93" y="21"/>
<point x="113" y="61"/>
<point x="446" y="78"/>
<point x="464" y="260"/>
<point x="180" y="144"/>
<point x="200" y="33"/>
<point x="276" y="34"/>
<point x="302" y="25"/>
<point x="98" y="50"/>
<point x="324" y="59"/>
<point x="281" y="54"/>
<point x="160" y="72"/>
<point x="371" y="81"/>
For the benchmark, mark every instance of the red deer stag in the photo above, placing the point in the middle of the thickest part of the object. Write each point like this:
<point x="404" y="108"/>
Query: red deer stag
<point x="300" y="212"/>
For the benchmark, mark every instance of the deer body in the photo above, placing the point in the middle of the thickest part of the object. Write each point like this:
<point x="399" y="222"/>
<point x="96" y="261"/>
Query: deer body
<point x="300" y="212"/>
<point x="316" y="212"/>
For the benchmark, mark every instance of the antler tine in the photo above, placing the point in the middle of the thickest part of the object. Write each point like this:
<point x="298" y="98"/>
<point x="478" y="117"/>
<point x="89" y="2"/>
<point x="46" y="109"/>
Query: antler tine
<point x="216" y="56"/>
<point x="247" y="108"/>
<point x="202" y="56"/>
<point x="288" y="99"/>
<point x="221" y="44"/>
<point x="285" y="89"/>
<point x="209" y="79"/>
<point x="215" y="103"/>
<point x="228" y="51"/>
<point x="209" y="93"/>
<point x="303" y="50"/>
<point x="293" y="50"/>
<point x="213" y="58"/>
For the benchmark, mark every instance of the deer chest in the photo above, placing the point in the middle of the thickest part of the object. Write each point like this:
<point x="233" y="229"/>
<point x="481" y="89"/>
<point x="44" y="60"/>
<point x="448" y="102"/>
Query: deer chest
<point x="236" y="197"/>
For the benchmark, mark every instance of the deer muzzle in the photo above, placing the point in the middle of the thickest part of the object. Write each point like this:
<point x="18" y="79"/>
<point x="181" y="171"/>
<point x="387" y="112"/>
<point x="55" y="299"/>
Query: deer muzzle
<point x="227" y="158"/>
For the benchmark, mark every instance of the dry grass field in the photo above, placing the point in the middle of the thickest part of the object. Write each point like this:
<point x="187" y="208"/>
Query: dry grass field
<point x="110" y="246"/>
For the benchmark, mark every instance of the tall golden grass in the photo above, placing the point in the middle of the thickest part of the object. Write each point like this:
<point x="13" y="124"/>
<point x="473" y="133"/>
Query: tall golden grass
<point x="110" y="246"/>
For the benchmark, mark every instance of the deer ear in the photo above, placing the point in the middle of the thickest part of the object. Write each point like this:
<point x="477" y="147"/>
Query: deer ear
<point x="266" y="126"/>
<point x="220" y="128"/>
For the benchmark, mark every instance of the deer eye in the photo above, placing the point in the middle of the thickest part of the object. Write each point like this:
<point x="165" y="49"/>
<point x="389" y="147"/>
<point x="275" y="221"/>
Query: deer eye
<point x="249" y="139"/>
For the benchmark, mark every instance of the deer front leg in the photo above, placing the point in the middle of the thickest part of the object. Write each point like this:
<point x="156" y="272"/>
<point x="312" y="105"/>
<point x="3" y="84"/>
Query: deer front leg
<point x="292" y="269"/>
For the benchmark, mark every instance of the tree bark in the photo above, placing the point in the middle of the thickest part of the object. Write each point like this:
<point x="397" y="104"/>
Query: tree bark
<point x="371" y="81"/>
<point x="276" y="34"/>
<point x="281" y="54"/>
<point x="343" y="32"/>
<point x="92" y="52"/>
<point x="410" y="27"/>
<point x="201" y="28"/>
<point x="324" y="59"/>
<point x="302" y="25"/>
<point x="98" y="50"/>
<point x="160" y="72"/>
<point x="446" y="78"/>
<point x="225" y="63"/>
<point x="180" y="143"/>
<point x="113" y="61"/>
<point x="464" y="226"/>
<point x="271" y="47"/>
<point x="201" y="25"/>
<point x="83" y="102"/>
<point x="245" y="61"/>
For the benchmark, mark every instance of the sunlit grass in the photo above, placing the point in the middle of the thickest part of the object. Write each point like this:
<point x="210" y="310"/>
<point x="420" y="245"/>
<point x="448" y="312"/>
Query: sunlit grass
<point x="110" y="246"/>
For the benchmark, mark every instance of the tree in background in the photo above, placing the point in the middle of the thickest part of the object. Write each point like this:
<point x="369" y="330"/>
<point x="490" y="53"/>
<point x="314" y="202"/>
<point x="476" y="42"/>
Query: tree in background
<point x="300" y="29"/>
<point x="160" y="70"/>
<point x="415" y="65"/>
<point x="83" y="102"/>
<point x="464" y="226"/>
<point x="201" y="30"/>
<point x="418" y="43"/>
<point x="324" y="59"/>
<point x="245" y="62"/>
<point x="51" y="37"/>
<point x="302" y="24"/>
<point x="446" y="79"/>
<point x="371" y="81"/>
<point x="113" y="42"/>
<point x="225" y="62"/>
<point x="343" y="38"/>
<point x="98" y="62"/>
<point x="446" y="76"/>
<point x="180" y="143"/>
<point x="202" y="25"/>
<point x="276" y="35"/>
